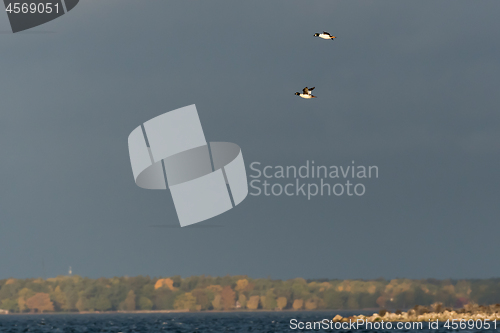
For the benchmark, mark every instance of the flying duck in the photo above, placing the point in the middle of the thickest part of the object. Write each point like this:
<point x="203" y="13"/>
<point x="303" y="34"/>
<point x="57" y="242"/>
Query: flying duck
<point x="306" y="93"/>
<point x="325" y="35"/>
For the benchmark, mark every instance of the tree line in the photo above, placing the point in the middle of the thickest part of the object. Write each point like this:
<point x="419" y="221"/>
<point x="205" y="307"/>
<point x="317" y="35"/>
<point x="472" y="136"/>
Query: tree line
<point x="205" y="293"/>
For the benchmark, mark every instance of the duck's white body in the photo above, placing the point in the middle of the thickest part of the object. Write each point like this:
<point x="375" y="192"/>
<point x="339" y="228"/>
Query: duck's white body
<point x="306" y="93"/>
<point x="325" y="35"/>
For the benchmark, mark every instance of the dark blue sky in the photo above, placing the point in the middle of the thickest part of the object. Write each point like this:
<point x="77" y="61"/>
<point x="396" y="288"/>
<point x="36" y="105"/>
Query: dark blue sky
<point x="412" y="87"/>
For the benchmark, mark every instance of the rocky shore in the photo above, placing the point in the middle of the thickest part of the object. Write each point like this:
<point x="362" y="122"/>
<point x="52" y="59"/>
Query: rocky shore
<point x="432" y="313"/>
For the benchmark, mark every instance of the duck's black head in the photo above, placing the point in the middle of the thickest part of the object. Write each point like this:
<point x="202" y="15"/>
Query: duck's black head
<point x="297" y="93"/>
<point x="316" y="35"/>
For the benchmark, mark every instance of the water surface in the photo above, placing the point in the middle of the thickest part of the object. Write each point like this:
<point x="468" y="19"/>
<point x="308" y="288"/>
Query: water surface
<point x="178" y="322"/>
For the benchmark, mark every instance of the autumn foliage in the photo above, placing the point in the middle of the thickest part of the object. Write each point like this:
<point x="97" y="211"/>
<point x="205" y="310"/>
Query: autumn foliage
<point x="168" y="283"/>
<point x="229" y="293"/>
<point x="40" y="302"/>
<point x="228" y="298"/>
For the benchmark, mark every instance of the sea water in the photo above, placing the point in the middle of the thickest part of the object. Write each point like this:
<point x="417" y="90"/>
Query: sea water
<point x="180" y="322"/>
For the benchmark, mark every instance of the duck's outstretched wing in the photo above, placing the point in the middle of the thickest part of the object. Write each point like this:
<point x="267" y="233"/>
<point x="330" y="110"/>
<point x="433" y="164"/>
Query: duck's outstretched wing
<point x="305" y="91"/>
<point x="326" y="33"/>
<point x="311" y="89"/>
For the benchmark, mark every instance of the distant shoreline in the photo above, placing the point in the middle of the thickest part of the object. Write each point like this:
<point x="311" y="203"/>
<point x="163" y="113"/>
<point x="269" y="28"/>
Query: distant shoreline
<point x="180" y="311"/>
<point x="143" y="294"/>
